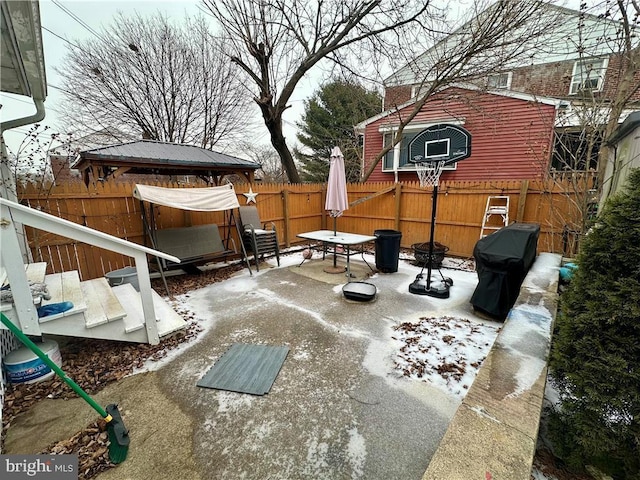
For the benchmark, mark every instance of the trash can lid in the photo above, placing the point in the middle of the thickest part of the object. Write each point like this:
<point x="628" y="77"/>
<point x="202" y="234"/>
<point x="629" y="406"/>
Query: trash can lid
<point x="386" y="232"/>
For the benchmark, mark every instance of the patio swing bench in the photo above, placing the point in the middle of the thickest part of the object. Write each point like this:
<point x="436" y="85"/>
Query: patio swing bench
<point x="192" y="245"/>
<point x="196" y="244"/>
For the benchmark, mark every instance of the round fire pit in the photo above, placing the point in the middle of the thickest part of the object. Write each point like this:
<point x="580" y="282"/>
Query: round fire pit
<point x="421" y="254"/>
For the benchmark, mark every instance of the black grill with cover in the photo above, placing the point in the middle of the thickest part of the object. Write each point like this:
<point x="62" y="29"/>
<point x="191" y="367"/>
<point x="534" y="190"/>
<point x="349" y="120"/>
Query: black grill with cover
<point x="502" y="262"/>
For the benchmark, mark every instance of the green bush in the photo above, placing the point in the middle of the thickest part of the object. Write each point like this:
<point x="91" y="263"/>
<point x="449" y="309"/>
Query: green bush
<point x="595" y="354"/>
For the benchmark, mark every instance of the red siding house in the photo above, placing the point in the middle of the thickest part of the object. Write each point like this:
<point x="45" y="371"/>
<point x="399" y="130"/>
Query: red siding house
<point x="512" y="135"/>
<point x="542" y="113"/>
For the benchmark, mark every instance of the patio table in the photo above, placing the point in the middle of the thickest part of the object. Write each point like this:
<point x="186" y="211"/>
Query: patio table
<point x="328" y="241"/>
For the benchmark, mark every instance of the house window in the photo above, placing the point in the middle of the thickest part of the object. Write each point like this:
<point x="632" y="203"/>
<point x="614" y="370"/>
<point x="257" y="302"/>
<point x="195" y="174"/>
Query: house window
<point x="499" y="80"/>
<point x="588" y="75"/>
<point x="573" y="151"/>
<point x="404" y="150"/>
<point x="418" y="91"/>
<point x="387" y="161"/>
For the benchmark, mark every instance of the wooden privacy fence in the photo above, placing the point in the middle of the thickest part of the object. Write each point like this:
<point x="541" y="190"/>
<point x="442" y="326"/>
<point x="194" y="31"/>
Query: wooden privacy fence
<point x="297" y="208"/>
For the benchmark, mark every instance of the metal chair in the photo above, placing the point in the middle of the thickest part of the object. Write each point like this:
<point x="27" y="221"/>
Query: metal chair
<point x="258" y="238"/>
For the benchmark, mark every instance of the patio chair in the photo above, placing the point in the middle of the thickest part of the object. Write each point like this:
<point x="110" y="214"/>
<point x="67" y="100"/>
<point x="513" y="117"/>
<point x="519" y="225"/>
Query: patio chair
<point x="258" y="238"/>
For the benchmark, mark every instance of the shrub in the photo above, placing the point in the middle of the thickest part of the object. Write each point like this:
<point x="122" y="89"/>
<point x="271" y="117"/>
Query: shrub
<point x="595" y="355"/>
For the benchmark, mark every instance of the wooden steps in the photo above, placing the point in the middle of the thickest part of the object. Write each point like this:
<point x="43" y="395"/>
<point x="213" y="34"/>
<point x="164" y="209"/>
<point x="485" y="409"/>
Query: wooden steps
<point x="103" y="305"/>
<point x="167" y="319"/>
<point x="64" y="287"/>
<point x="130" y="299"/>
<point x="35" y="274"/>
<point x="99" y="310"/>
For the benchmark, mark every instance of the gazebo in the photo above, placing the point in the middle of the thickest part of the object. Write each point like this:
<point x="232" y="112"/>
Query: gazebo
<point x="151" y="157"/>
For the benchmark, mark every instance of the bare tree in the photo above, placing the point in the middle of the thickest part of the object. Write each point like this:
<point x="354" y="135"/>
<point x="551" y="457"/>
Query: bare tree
<point x="605" y="87"/>
<point x="271" y="168"/>
<point x="29" y="162"/>
<point x="277" y="42"/>
<point x="625" y="68"/>
<point x="145" y="76"/>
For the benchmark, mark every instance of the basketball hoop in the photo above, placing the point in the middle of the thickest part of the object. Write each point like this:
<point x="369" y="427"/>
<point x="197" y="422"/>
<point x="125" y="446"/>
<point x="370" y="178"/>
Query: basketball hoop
<point x="430" y="150"/>
<point x="429" y="172"/>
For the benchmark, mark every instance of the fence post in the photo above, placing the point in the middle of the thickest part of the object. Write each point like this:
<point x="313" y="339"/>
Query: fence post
<point x="522" y="200"/>
<point x="285" y="211"/>
<point x="398" y="203"/>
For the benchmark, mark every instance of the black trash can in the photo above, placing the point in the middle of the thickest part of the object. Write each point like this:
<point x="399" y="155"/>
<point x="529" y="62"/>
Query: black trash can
<point x="502" y="262"/>
<point x="387" y="250"/>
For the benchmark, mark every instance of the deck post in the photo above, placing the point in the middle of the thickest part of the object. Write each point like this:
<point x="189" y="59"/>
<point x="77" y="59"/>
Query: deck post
<point x="14" y="268"/>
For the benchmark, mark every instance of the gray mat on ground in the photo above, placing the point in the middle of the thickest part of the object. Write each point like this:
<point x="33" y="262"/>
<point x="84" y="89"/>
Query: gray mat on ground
<point x="246" y="369"/>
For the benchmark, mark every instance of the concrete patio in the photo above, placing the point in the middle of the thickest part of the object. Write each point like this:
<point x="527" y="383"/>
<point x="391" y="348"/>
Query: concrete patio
<point x="338" y="408"/>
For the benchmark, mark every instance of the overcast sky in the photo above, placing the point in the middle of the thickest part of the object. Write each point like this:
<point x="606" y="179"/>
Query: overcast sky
<point x="64" y="21"/>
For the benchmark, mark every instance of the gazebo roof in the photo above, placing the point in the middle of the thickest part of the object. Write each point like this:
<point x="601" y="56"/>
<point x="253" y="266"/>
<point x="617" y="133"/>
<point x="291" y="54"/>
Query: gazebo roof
<point x="160" y="158"/>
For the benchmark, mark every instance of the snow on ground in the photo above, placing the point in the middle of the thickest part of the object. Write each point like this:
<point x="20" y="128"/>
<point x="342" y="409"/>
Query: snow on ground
<point x="444" y="351"/>
<point x="537" y="474"/>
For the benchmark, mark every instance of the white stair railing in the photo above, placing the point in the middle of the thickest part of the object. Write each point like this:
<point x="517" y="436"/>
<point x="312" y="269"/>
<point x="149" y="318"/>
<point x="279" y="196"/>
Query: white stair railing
<point x="13" y="213"/>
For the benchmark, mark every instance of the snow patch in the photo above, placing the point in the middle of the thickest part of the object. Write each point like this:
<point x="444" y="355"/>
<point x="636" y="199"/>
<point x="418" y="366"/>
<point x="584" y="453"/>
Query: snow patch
<point x="270" y="296"/>
<point x="356" y="452"/>
<point x="243" y="333"/>
<point x="446" y="352"/>
<point x="316" y="457"/>
<point x="525" y="325"/>
<point x="231" y="402"/>
<point x="240" y="284"/>
<point x="301" y="355"/>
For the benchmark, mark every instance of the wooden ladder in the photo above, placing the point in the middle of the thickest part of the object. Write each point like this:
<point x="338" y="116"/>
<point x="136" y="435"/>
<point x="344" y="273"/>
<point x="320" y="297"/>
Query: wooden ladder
<point x="496" y="214"/>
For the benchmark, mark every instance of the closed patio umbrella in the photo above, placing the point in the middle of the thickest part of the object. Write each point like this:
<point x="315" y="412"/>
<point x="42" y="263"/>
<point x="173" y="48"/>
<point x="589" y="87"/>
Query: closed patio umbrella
<point x="337" y="201"/>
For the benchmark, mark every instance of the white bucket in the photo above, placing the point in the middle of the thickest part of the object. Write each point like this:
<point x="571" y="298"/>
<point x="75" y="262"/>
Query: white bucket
<point x="24" y="366"/>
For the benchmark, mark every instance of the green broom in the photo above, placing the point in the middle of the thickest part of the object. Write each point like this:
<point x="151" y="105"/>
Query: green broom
<point x="118" y="434"/>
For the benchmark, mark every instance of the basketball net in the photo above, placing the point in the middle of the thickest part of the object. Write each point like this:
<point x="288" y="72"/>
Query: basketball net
<point x="429" y="173"/>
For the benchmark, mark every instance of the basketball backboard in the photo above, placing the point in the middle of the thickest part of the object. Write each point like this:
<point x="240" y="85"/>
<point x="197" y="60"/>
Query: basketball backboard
<point x="440" y="143"/>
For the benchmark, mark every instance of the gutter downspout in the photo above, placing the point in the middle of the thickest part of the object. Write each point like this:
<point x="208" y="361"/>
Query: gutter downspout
<point x="19" y="122"/>
<point x="5" y="175"/>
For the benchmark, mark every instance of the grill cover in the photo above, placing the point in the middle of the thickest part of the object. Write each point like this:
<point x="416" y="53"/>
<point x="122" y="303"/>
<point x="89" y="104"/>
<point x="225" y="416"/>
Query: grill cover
<point x="502" y="262"/>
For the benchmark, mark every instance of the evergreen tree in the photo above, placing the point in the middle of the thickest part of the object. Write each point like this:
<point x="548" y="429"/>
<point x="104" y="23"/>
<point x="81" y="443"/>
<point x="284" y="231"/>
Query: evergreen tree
<point x="328" y="121"/>
<point x="595" y="356"/>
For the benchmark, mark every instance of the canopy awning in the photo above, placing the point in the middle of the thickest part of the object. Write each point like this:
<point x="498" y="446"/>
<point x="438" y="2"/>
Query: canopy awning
<point x="209" y="199"/>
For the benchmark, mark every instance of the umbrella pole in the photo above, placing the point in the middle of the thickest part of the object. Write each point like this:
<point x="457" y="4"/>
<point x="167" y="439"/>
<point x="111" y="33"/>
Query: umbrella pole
<point x="335" y="232"/>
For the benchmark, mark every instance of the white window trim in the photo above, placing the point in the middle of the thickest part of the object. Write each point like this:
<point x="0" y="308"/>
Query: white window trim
<point x="417" y="90"/>
<point x="414" y="127"/>
<point x="601" y="76"/>
<point x="506" y="87"/>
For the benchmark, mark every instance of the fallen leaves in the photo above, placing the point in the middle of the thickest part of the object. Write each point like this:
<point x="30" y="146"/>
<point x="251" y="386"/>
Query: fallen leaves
<point x="90" y="445"/>
<point x="444" y="351"/>
<point x="183" y="284"/>
<point x="93" y="364"/>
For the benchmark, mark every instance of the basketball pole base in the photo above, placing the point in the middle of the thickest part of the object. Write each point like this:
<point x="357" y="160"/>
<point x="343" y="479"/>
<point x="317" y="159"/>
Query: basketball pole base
<point x="419" y="288"/>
